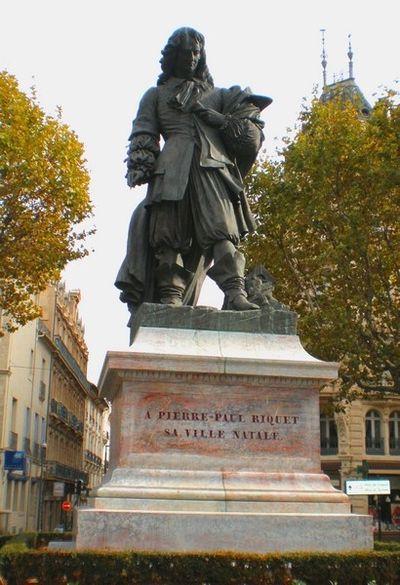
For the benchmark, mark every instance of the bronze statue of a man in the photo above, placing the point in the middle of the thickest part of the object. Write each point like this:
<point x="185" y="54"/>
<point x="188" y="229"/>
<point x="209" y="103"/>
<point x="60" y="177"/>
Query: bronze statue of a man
<point x="195" y="210"/>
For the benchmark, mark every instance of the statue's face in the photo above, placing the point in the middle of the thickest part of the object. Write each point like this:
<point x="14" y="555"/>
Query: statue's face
<point x="187" y="59"/>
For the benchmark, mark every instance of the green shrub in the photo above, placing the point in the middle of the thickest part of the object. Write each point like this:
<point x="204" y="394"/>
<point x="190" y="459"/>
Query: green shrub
<point x="380" y="568"/>
<point x="135" y="568"/>
<point x="26" y="538"/>
<point x="4" y="538"/>
<point x="14" y="547"/>
<point x="392" y="545"/>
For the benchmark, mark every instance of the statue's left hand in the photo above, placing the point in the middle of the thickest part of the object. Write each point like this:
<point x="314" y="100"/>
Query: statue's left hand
<point x="136" y="177"/>
<point x="209" y="116"/>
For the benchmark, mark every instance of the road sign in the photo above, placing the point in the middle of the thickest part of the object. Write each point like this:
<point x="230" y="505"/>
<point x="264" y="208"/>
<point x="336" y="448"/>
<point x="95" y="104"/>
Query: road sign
<point x="14" y="460"/>
<point x="59" y="489"/>
<point x="365" y="487"/>
<point x="66" y="506"/>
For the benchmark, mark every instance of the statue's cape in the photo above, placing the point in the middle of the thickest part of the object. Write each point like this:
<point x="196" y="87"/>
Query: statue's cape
<point x="135" y="277"/>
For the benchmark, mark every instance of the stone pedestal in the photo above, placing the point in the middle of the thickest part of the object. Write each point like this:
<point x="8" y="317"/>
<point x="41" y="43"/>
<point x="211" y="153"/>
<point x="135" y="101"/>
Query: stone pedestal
<point x="215" y="441"/>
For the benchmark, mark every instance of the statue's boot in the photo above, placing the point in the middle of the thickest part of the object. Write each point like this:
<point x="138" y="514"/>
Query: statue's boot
<point x="228" y="273"/>
<point x="171" y="282"/>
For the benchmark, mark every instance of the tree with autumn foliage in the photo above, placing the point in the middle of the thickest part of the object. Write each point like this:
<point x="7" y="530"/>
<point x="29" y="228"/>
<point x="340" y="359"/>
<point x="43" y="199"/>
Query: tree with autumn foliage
<point x="329" y="212"/>
<point x="43" y="197"/>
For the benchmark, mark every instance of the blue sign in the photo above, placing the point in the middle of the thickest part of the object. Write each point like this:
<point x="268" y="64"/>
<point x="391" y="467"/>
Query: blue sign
<point x="14" y="460"/>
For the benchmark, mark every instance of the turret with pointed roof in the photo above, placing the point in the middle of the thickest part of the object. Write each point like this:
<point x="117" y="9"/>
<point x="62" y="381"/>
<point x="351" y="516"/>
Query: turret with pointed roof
<point x="347" y="89"/>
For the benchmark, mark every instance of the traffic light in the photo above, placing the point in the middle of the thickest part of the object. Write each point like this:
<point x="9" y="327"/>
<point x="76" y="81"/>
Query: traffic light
<point x="78" y="487"/>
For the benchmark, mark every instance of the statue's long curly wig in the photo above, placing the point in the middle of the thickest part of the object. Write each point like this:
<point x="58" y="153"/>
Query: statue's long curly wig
<point x="169" y="54"/>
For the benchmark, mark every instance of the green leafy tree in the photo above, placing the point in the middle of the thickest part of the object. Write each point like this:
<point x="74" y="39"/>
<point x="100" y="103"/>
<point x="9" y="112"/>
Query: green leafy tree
<point x="43" y="197"/>
<point x="329" y="211"/>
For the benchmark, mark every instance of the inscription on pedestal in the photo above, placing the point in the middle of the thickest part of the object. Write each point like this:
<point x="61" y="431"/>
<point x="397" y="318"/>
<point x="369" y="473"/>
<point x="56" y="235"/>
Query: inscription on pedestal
<point x="216" y="421"/>
<point x="263" y="427"/>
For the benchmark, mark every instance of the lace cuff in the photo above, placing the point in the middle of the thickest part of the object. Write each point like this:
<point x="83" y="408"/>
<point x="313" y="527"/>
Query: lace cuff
<point x="142" y="154"/>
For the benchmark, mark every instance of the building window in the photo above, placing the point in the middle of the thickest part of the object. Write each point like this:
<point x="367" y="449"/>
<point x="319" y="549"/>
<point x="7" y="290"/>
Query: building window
<point x="27" y="431"/>
<point x="10" y="485"/>
<point x="22" y="497"/>
<point x="16" y="492"/>
<point x="42" y="391"/>
<point x="329" y="438"/>
<point x="42" y="383"/>
<point x="373" y="433"/>
<point x="394" y="433"/>
<point x="14" y="407"/>
<point x="13" y="441"/>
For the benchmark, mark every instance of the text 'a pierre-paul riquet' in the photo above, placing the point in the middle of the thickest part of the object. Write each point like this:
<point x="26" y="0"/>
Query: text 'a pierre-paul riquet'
<point x="226" y="418"/>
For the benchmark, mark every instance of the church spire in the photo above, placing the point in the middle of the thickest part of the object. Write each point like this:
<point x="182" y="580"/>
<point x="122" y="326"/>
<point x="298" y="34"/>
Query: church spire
<point x="324" y="61"/>
<point x="350" y="56"/>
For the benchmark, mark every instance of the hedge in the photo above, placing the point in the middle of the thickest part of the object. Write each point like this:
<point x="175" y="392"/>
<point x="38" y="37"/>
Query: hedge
<point x="135" y="568"/>
<point x="391" y="545"/>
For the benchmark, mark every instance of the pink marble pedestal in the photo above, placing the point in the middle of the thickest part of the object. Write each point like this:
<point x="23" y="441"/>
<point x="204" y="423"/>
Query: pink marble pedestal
<point x="215" y="446"/>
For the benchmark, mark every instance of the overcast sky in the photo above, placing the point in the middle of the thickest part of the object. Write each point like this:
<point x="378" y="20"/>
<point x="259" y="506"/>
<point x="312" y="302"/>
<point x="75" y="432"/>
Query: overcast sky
<point x="95" y="59"/>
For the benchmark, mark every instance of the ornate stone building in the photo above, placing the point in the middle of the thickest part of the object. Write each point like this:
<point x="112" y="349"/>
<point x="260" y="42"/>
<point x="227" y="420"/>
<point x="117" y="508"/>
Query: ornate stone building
<point x="45" y="399"/>
<point x="96" y="438"/>
<point x="67" y="472"/>
<point x="364" y="443"/>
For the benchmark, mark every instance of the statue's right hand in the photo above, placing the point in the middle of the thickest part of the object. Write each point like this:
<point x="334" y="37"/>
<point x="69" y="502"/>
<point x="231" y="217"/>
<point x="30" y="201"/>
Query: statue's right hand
<point x="209" y="115"/>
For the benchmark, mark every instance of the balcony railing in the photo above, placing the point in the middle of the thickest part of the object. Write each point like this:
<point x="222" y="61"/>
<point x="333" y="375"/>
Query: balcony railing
<point x="329" y="443"/>
<point x="65" y="472"/>
<point x="394" y="446"/>
<point x="71" y="361"/>
<point x="93" y="458"/>
<point x="62" y="412"/>
<point x="374" y="446"/>
<point x="329" y="450"/>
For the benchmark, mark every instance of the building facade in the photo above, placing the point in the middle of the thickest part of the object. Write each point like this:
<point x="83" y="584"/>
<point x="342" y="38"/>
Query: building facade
<point x="96" y="438"/>
<point x="24" y="390"/>
<point x="363" y="442"/>
<point x="44" y="400"/>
